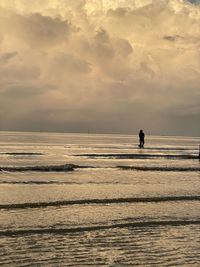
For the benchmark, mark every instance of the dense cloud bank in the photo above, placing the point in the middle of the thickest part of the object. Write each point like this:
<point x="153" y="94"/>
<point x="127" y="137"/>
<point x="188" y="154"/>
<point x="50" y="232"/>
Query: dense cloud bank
<point x="110" y="66"/>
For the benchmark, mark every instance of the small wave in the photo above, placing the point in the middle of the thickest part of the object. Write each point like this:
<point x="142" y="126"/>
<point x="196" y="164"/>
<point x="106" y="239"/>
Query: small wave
<point x="72" y="167"/>
<point x="99" y="201"/>
<point x="53" y="168"/>
<point x="37" y="182"/>
<point x="160" y="168"/>
<point x="22" y="153"/>
<point x="97" y="227"/>
<point x="61" y="182"/>
<point x="138" y="156"/>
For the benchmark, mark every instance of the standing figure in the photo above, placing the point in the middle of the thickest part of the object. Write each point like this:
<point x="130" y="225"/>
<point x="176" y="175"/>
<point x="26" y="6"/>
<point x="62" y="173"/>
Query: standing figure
<point x="141" y="136"/>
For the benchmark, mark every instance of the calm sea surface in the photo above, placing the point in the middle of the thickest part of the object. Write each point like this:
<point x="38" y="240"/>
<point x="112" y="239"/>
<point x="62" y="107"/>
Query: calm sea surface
<point x="98" y="200"/>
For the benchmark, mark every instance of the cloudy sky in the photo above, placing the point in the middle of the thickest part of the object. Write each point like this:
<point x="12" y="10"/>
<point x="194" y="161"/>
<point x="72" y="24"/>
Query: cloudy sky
<point x="111" y="66"/>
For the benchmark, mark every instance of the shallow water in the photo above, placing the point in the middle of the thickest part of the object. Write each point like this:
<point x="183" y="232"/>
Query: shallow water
<point x="118" y="205"/>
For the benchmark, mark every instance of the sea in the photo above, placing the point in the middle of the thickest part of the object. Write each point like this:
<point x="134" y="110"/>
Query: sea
<point x="99" y="200"/>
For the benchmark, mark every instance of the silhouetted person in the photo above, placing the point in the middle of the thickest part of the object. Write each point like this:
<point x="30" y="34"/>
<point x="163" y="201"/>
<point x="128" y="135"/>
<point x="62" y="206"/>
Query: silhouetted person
<point x="141" y="136"/>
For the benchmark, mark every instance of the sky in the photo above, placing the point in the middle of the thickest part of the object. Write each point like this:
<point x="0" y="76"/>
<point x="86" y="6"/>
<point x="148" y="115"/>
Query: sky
<point x="104" y="66"/>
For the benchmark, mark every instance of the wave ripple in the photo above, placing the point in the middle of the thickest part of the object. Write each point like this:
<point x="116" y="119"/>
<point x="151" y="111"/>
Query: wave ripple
<point x="99" y="201"/>
<point x="139" y="156"/>
<point x="59" y="231"/>
<point x="160" y="168"/>
<point x="55" y="168"/>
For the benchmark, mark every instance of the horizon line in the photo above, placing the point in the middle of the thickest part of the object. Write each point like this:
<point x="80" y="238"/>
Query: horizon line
<point x="147" y="133"/>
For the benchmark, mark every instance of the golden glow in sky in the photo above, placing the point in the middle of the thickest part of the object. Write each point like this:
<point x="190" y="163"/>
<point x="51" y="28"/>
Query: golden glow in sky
<point x="113" y="66"/>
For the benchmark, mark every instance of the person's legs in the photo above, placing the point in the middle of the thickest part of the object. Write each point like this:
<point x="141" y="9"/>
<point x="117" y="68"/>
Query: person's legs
<point x="142" y="142"/>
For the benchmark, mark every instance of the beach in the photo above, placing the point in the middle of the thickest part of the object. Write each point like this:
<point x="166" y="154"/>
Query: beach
<point x="98" y="200"/>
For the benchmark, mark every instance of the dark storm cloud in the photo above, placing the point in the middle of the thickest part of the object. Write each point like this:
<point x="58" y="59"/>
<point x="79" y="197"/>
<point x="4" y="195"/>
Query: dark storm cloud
<point x="21" y="91"/>
<point x="70" y="64"/>
<point x="45" y="30"/>
<point x="194" y="1"/>
<point x="171" y="38"/>
<point x="23" y="72"/>
<point x="36" y="29"/>
<point x="7" y="56"/>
